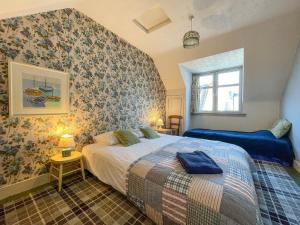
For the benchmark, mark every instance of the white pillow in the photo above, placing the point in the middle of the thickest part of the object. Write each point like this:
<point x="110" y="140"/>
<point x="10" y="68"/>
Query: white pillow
<point x="107" y="139"/>
<point x="137" y="132"/>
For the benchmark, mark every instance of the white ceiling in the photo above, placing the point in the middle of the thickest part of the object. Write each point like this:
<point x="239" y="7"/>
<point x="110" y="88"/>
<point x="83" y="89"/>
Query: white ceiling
<point x="220" y="61"/>
<point x="212" y="17"/>
<point x="13" y="8"/>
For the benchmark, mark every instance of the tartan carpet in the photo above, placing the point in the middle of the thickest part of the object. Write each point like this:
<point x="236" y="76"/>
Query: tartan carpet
<point x="80" y="202"/>
<point x="278" y="194"/>
<point x="92" y="202"/>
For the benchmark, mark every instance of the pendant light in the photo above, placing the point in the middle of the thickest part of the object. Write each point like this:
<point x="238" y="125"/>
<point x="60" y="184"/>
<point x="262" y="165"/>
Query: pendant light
<point x="191" y="38"/>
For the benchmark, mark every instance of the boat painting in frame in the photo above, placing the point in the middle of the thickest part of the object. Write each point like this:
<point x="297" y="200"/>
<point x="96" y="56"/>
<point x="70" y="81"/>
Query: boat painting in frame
<point x="35" y="90"/>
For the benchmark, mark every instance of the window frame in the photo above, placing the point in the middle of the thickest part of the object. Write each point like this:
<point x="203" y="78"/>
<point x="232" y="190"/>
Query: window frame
<point x="215" y="88"/>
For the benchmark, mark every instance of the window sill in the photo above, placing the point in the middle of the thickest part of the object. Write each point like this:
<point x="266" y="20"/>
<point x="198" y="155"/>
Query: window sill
<point x="238" y="114"/>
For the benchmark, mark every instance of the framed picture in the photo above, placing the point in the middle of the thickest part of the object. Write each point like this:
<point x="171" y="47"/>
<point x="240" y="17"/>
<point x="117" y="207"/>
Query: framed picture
<point x="35" y="90"/>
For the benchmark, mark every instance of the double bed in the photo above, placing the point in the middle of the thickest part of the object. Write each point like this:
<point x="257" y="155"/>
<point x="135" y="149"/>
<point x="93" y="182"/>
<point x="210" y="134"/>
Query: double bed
<point x="152" y="178"/>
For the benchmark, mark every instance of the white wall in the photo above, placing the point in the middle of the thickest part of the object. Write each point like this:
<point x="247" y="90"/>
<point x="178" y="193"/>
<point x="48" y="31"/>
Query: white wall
<point x="187" y="78"/>
<point x="260" y="115"/>
<point x="269" y="51"/>
<point x="291" y="104"/>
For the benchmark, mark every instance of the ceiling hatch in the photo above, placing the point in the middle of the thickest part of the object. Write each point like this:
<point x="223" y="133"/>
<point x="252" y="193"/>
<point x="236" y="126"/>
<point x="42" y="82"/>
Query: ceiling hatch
<point x="152" y="19"/>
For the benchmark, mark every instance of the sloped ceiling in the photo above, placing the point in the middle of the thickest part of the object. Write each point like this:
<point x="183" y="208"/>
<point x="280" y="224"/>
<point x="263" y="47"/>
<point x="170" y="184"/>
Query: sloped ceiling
<point x="13" y="8"/>
<point x="219" y="61"/>
<point x="212" y="17"/>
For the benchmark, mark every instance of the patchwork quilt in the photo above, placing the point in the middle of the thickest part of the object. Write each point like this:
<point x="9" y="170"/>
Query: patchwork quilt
<point x="159" y="186"/>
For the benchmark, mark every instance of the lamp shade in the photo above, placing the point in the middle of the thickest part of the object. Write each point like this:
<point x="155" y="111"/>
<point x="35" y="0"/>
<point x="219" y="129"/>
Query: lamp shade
<point x="160" y="122"/>
<point x="191" y="39"/>
<point x="66" y="141"/>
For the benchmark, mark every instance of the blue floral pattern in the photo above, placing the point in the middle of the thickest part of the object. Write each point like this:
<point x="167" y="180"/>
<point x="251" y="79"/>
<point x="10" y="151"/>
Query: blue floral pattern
<point x="112" y="85"/>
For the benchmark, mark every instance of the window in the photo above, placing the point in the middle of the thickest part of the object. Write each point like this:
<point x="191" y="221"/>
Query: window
<point x="218" y="91"/>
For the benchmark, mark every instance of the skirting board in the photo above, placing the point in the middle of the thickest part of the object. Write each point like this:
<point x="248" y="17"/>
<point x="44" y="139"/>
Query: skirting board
<point x="297" y="165"/>
<point x="22" y="186"/>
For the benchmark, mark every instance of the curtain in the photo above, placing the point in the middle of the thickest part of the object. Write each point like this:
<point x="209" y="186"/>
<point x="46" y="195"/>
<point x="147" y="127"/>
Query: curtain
<point x="195" y="98"/>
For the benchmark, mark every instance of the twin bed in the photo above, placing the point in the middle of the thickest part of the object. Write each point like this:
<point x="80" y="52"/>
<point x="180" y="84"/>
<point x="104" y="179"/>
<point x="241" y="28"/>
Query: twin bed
<point x="152" y="178"/>
<point x="261" y="145"/>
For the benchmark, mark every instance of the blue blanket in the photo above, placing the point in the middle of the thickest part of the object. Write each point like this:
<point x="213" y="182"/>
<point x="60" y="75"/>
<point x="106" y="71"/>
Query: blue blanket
<point x="198" y="162"/>
<point x="261" y="145"/>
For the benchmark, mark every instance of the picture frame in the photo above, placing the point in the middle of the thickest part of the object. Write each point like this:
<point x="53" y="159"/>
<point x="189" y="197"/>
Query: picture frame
<point x="36" y="90"/>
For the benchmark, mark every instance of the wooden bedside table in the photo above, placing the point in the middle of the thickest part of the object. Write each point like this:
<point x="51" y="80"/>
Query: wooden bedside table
<point x="62" y="166"/>
<point x="164" y="131"/>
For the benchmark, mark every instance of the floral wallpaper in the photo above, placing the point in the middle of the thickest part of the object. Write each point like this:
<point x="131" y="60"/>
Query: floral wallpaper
<point x="112" y="85"/>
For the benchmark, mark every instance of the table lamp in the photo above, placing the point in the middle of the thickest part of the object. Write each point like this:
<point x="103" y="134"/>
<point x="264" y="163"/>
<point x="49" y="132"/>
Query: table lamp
<point x="66" y="142"/>
<point x="159" y="123"/>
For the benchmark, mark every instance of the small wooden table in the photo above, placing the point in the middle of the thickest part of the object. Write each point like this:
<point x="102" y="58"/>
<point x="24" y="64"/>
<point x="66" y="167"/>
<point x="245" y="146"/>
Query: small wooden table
<point x="62" y="166"/>
<point x="165" y="131"/>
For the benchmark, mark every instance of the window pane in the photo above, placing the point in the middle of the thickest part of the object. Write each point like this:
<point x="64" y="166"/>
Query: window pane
<point x="226" y="78"/>
<point x="228" y="98"/>
<point x="206" y="99"/>
<point x="206" y="81"/>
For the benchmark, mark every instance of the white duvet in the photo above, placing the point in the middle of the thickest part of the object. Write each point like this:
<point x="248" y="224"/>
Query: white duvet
<point x="110" y="163"/>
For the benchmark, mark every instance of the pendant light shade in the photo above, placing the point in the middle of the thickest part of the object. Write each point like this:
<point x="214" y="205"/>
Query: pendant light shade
<point x="191" y="38"/>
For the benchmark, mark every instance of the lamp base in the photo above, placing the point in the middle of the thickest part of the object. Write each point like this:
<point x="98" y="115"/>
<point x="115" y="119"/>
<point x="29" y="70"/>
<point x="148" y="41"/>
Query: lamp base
<point x="66" y="152"/>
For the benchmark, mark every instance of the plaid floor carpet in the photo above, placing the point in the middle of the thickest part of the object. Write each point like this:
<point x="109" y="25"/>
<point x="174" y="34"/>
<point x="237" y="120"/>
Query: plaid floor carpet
<point x="91" y="202"/>
<point x="80" y="202"/>
<point x="278" y="195"/>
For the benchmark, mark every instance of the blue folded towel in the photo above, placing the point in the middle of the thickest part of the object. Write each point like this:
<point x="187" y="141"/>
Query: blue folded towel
<point x="198" y="162"/>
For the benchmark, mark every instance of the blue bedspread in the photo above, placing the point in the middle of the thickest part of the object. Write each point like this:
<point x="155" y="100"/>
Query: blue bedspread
<point x="261" y="145"/>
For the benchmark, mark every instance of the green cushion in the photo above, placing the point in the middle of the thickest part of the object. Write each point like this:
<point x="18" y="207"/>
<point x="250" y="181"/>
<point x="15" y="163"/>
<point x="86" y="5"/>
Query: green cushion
<point x="149" y="133"/>
<point x="281" y="128"/>
<point x="126" y="137"/>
